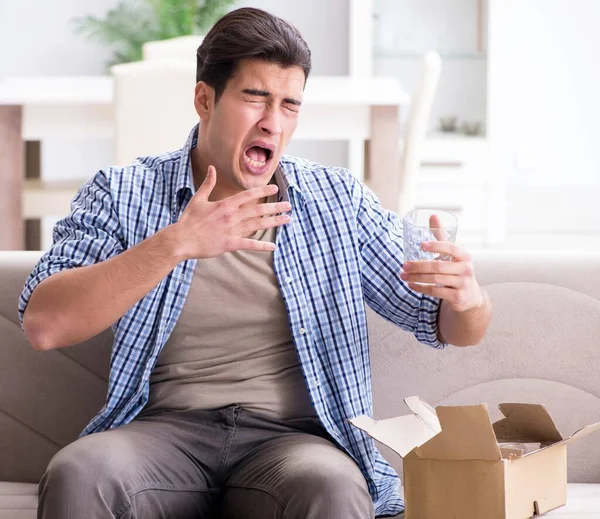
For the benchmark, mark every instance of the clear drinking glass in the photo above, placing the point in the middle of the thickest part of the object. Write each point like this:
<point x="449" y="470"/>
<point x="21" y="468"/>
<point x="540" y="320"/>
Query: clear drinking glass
<point x="421" y="225"/>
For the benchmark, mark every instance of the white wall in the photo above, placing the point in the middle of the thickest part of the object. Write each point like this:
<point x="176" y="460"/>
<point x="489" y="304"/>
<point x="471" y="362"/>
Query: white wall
<point x="543" y="115"/>
<point x="37" y="38"/>
<point x="323" y="24"/>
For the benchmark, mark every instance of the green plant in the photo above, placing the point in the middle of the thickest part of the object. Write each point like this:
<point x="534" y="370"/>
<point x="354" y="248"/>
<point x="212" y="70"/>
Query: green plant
<point x="130" y="24"/>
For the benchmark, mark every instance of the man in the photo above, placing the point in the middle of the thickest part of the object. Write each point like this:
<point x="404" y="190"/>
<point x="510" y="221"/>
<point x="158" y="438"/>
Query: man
<point x="235" y="280"/>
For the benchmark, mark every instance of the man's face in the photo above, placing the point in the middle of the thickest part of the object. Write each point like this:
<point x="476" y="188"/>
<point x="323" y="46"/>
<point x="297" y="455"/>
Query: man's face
<point x="250" y="126"/>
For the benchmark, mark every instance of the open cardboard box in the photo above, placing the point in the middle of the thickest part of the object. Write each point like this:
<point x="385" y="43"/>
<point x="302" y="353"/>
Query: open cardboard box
<point x="454" y="466"/>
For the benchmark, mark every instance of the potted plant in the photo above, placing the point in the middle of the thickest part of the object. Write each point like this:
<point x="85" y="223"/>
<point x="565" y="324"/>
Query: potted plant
<point x="126" y="27"/>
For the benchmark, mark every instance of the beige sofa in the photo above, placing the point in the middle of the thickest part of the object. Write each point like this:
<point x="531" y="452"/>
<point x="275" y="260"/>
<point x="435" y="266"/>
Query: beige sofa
<point x="543" y="346"/>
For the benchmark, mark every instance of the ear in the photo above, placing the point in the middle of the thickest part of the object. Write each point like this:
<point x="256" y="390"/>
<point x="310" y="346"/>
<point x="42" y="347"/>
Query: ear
<point x="204" y="96"/>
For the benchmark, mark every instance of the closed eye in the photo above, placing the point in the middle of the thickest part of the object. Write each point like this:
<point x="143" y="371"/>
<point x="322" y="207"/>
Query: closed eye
<point x="291" y="108"/>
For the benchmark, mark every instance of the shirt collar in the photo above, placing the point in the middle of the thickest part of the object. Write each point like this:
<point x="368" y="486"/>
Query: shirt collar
<point x="285" y="179"/>
<point x="288" y="185"/>
<point x="184" y="173"/>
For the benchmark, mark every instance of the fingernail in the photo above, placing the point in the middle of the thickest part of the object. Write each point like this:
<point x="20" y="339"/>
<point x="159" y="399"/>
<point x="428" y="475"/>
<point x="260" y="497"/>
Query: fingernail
<point x="406" y="266"/>
<point x="425" y="245"/>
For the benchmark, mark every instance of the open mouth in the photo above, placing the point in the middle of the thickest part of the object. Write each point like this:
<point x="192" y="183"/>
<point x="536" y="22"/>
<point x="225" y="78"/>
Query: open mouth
<point x="257" y="158"/>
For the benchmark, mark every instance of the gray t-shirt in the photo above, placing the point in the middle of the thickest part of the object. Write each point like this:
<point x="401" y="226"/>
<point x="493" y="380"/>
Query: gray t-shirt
<point x="232" y="343"/>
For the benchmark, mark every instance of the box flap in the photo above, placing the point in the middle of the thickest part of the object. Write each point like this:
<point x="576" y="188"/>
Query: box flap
<point x="424" y="411"/>
<point x="467" y="434"/>
<point x="403" y="433"/>
<point x="581" y="433"/>
<point x="526" y="423"/>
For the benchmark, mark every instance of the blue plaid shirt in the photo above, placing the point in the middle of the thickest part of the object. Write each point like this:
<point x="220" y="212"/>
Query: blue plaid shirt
<point x="340" y="250"/>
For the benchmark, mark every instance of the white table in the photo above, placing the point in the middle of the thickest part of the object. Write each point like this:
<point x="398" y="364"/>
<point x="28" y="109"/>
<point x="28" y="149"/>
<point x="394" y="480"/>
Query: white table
<point x="334" y="108"/>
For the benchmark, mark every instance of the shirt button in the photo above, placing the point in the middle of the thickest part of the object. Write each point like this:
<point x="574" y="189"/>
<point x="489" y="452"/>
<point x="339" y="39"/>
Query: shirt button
<point x="302" y="331"/>
<point x="288" y="279"/>
<point x="316" y="383"/>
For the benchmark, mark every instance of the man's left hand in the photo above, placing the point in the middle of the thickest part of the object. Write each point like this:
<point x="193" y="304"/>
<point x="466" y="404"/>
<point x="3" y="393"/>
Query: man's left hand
<point x="453" y="281"/>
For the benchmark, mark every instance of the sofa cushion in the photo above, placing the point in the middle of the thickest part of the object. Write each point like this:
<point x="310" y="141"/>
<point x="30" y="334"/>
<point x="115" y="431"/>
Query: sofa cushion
<point x="583" y="502"/>
<point x="18" y="500"/>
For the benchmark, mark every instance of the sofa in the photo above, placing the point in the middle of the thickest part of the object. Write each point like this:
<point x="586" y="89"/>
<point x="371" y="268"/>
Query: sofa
<point x="543" y="346"/>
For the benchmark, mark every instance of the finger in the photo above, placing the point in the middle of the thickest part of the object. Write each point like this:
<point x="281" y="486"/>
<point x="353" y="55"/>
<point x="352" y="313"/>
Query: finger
<point x="208" y="184"/>
<point x="248" y="227"/>
<point x="248" y="244"/>
<point x="435" y="224"/>
<point x="252" y="194"/>
<point x="447" y="248"/>
<point x="435" y="267"/>
<point x="260" y="210"/>
<point x="436" y="279"/>
<point x="434" y="291"/>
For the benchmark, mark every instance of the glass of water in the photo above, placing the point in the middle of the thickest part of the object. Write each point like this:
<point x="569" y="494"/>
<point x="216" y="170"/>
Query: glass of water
<point x="421" y="225"/>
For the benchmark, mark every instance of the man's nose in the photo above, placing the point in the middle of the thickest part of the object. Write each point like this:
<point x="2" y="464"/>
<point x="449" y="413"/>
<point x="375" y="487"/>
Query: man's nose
<point x="271" y="122"/>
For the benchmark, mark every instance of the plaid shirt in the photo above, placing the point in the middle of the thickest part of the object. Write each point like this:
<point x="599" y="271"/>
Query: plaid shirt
<point x="340" y="250"/>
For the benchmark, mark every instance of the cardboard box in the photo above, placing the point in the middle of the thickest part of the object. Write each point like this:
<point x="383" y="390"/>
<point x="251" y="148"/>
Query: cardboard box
<point x="454" y="466"/>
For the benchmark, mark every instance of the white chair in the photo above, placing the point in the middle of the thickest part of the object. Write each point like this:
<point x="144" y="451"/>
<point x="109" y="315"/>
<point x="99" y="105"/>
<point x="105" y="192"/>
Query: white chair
<point x="416" y="130"/>
<point x="154" y="108"/>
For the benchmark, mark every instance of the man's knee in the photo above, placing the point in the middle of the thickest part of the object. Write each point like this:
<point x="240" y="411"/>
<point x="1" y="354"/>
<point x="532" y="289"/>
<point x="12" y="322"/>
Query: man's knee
<point x="325" y="482"/>
<point x="87" y="463"/>
<point x="333" y="487"/>
<point x="305" y="494"/>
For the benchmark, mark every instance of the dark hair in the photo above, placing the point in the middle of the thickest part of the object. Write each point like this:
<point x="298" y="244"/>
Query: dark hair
<point x="248" y="33"/>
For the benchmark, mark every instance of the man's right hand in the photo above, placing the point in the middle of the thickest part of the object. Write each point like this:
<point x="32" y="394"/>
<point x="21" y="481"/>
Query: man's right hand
<point x="60" y="313"/>
<point x="207" y="229"/>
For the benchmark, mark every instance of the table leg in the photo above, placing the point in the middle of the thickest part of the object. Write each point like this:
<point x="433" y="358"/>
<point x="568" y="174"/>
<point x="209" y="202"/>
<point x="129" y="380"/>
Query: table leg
<point x="33" y="167"/>
<point x="356" y="158"/>
<point x="383" y="173"/>
<point x="12" y="173"/>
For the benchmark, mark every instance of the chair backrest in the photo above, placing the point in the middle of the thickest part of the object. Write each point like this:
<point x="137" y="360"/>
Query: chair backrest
<point x="416" y="130"/>
<point x="154" y="108"/>
<point x="182" y="48"/>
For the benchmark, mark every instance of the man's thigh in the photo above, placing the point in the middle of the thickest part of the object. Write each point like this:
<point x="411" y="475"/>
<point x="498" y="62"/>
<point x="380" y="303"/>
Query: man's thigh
<point x="148" y="468"/>
<point x="303" y="475"/>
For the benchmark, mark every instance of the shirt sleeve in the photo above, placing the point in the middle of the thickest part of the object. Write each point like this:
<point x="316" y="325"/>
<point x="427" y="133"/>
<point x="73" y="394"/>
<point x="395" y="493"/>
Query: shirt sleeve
<point x="91" y="233"/>
<point x="381" y="246"/>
